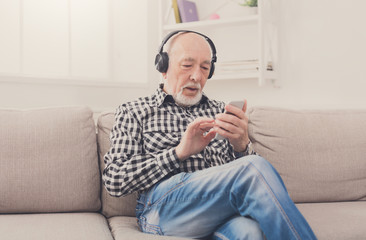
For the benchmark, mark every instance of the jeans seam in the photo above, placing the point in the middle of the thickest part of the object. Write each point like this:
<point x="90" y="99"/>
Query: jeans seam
<point x="274" y="198"/>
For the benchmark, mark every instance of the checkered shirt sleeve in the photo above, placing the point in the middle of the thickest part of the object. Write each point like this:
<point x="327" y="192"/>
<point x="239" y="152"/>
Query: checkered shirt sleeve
<point x="128" y="167"/>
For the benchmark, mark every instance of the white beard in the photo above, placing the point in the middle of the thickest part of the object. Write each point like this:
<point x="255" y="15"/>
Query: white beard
<point x="183" y="100"/>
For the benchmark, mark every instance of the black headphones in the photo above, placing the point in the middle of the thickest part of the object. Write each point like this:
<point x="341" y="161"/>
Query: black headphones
<point x="162" y="58"/>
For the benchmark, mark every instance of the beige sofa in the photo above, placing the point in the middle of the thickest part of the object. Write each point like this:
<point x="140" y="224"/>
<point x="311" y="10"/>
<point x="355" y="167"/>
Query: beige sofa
<point x="51" y="162"/>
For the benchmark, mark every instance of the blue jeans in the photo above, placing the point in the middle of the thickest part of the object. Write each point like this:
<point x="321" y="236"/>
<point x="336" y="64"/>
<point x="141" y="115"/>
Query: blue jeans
<point x="244" y="199"/>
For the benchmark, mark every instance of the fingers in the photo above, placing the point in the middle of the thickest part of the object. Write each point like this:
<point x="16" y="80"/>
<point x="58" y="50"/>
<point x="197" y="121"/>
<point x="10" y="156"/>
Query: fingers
<point x="201" y="120"/>
<point x="210" y="135"/>
<point x="229" y="130"/>
<point x="234" y="114"/>
<point x="245" y="106"/>
<point x="207" y="128"/>
<point x="230" y="126"/>
<point x="233" y="126"/>
<point x="195" y="139"/>
<point x="201" y="124"/>
<point x="223" y="132"/>
<point x="240" y="113"/>
<point x="232" y="119"/>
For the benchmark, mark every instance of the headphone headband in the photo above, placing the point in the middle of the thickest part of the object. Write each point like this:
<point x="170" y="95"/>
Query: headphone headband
<point x="167" y="37"/>
<point x="162" y="59"/>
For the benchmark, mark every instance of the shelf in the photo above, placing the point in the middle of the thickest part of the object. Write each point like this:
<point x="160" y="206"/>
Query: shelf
<point x="212" y="23"/>
<point x="237" y="36"/>
<point x="223" y="77"/>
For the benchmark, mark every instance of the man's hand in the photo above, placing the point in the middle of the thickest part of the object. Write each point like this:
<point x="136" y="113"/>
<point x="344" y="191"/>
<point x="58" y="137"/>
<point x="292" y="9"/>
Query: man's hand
<point x="195" y="138"/>
<point x="234" y="127"/>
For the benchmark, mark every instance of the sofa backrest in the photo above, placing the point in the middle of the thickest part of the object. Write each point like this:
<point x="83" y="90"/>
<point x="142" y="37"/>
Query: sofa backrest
<point x="111" y="206"/>
<point x="321" y="155"/>
<point x="48" y="161"/>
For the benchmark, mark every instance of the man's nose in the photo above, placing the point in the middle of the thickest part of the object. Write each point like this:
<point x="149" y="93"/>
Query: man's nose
<point x="196" y="74"/>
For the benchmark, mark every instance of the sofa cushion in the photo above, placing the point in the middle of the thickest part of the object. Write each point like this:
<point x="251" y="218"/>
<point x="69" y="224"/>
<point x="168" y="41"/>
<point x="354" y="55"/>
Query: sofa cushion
<point x="336" y="221"/>
<point x="319" y="154"/>
<point x="59" y="226"/>
<point x="126" y="228"/>
<point x="111" y="206"/>
<point x="48" y="161"/>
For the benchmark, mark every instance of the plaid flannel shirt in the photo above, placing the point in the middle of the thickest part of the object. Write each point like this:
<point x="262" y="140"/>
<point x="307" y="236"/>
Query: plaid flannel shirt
<point x="143" y="141"/>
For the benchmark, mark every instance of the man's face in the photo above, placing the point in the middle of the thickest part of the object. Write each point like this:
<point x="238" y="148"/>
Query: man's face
<point x="189" y="66"/>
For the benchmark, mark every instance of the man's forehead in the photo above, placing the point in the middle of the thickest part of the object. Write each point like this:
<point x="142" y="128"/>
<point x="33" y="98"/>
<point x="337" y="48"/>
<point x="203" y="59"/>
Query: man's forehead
<point x="191" y="59"/>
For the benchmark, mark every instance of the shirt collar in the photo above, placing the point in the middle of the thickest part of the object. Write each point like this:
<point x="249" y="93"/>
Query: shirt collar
<point x="162" y="97"/>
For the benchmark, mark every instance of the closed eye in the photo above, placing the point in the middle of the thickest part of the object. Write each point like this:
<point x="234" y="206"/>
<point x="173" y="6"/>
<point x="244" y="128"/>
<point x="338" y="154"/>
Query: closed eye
<point x="205" y="68"/>
<point x="186" y="66"/>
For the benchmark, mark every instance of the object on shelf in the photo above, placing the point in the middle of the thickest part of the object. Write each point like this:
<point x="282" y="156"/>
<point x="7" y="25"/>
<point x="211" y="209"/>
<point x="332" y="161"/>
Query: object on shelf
<point x="210" y="24"/>
<point x="231" y="9"/>
<point x="187" y="11"/>
<point x="214" y="16"/>
<point x="269" y="66"/>
<point x="176" y="11"/>
<point x="250" y="3"/>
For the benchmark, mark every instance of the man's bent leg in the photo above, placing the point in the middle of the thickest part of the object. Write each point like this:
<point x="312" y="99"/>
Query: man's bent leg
<point x="239" y="228"/>
<point x="196" y="204"/>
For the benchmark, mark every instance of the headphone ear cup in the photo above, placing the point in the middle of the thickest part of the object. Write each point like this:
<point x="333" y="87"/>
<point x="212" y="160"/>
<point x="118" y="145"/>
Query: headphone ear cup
<point x="162" y="62"/>
<point x="212" y="69"/>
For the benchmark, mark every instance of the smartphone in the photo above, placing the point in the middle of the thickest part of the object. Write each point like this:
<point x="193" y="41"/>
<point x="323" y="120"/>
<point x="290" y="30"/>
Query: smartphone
<point x="238" y="104"/>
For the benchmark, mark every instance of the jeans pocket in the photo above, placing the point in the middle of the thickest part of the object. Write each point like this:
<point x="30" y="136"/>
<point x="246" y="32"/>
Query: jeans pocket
<point x="148" y="228"/>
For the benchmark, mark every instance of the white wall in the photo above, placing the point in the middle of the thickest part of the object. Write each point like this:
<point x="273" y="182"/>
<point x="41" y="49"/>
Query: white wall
<point x="322" y="59"/>
<point x="86" y="52"/>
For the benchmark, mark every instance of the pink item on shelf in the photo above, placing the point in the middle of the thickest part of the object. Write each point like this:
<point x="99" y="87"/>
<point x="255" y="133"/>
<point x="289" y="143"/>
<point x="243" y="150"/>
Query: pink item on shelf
<point x="214" y="16"/>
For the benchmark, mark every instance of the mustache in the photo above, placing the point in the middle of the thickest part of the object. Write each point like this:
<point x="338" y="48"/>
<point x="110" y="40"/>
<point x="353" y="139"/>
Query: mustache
<point x="192" y="85"/>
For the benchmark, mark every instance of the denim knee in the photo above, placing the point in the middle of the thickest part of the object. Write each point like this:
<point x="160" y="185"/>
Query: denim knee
<point x="239" y="228"/>
<point x="260" y="163"/>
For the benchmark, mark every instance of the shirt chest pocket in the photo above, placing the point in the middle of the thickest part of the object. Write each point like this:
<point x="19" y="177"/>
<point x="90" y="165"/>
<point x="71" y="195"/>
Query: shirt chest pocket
<point x="160" y="134"/>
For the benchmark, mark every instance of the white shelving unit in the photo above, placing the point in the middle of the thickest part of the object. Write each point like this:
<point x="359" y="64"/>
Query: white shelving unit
<point x="212" y="23"/>
<point x="237" y="38"/>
